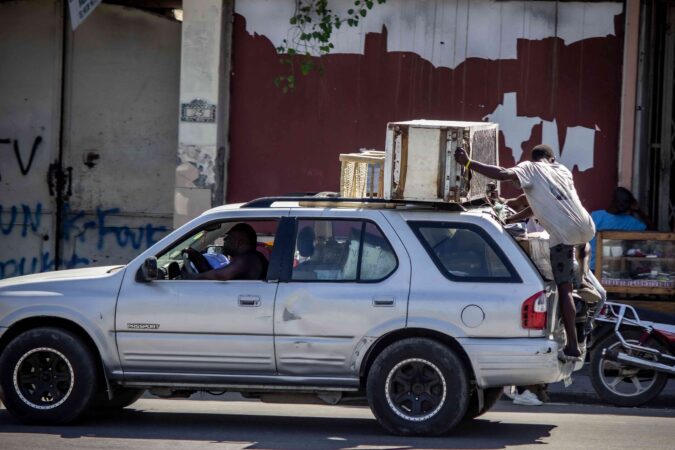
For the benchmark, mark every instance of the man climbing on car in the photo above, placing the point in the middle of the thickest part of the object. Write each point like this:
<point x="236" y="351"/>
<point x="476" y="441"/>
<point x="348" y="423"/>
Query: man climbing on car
<point x="549" y="188"/>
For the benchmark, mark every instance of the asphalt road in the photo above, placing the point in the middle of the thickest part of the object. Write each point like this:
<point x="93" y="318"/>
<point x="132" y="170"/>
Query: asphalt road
<point x="185" y="424"/>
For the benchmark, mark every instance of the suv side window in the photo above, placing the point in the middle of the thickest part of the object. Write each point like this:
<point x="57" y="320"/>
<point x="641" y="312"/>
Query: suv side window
<point x="208" y="241"/>
<point x="464" y="252"/>
<point x="341" y="250"/>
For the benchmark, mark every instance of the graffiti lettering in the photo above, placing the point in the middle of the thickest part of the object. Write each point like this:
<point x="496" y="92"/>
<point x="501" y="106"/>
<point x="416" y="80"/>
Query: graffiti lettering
<point x="31" y="218"/>
<point x="74" y="226"/>
<point x="41" y="263"/>
<point x="124" y="235"/>
<point x="98" y="232"/>
<point x="23" y="168"/>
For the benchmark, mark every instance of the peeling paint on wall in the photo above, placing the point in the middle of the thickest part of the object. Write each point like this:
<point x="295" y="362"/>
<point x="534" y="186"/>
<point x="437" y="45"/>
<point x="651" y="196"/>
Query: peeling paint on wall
<point x="545" y="71"/>
<point x="447" y="32"/>
<point x="196" y="166"/>
<point x="579" y="142"/>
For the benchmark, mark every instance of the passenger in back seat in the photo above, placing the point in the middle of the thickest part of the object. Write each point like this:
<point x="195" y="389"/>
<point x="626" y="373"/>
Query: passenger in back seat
<point x="305" y="247"/>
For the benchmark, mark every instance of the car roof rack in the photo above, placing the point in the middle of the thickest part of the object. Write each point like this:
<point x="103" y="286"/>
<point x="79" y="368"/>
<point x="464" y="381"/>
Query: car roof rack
<point x="267" y="202"/>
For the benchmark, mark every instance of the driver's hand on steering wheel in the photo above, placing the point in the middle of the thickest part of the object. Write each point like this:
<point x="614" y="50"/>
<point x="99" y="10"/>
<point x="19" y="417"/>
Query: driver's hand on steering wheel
<point x="188" y="271"/>
<point x="185" y="274"/>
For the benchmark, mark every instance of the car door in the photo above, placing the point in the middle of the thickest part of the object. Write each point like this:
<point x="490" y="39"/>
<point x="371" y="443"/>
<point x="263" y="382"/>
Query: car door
<point x="200" y="329"/>
<point x="325" y="313"/>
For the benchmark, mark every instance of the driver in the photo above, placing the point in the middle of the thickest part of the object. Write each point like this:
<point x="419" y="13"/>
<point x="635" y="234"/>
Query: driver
<point x="246" y="262"/>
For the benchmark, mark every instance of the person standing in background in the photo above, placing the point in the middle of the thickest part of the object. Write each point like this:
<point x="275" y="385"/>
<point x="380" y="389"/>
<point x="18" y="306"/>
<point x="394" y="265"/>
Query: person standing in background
<point x="624" y="214"/>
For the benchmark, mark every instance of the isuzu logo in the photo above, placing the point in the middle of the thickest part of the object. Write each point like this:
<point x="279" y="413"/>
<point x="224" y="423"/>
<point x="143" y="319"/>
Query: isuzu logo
<point x="143" y="326"/>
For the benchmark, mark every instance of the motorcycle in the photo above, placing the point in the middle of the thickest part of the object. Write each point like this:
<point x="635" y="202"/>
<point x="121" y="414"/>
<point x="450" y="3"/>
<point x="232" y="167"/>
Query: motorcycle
<point x="633" y="359"/>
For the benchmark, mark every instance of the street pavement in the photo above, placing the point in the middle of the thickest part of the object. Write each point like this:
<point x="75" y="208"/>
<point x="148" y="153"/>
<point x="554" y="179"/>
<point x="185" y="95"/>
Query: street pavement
<point x="189" y="424"/>
<point x="581" y="391"/>
<point x="574" y="419"/>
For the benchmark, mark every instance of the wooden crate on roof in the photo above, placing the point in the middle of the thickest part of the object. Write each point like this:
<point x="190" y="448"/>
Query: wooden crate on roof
<point x="362" y="174"/>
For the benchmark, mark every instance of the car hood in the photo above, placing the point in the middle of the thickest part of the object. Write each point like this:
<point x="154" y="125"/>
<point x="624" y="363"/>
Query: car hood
<point x="62" y="275"/>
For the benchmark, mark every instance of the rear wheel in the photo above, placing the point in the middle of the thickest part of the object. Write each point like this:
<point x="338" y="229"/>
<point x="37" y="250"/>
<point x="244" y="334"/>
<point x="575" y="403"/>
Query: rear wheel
<point x="624" y="385"/>
<point x="419" y="387"/>
<point x="47" y="375"/>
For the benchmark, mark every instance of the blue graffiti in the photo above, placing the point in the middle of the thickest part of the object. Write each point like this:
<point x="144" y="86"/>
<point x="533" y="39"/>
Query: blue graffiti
<point x="31" y="218"/>
<point x="137" y="238"/>
<point x="42" y="263"/>
<point x="77" y="226"/>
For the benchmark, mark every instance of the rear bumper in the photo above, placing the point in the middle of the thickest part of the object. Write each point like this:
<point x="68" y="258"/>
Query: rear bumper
<point x="520" y="361"/>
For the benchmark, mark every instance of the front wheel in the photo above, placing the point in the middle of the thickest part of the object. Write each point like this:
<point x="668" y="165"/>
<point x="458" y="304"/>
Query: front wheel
<point x="624" y="385"/>
<point x="47" y="375"/>
<point x="418" y="387"/>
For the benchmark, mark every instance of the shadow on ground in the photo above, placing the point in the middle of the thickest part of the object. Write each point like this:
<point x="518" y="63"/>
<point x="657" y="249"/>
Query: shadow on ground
<point x="280" y="432"/>
<point x="505" y="405"/>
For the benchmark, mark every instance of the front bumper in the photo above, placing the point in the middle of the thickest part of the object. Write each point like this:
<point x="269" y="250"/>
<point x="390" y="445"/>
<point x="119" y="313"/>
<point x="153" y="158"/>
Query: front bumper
<point x="519" y="361"/>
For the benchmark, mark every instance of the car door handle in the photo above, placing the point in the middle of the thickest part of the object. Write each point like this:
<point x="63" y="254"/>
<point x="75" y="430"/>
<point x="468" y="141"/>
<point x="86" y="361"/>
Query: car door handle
<point x="249" y="300"/>
<point x="383" y="301"/>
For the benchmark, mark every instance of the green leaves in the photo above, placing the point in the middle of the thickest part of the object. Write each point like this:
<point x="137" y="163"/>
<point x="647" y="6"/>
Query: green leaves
<point x="285" y="83"/>
<point x="312" y="26"/>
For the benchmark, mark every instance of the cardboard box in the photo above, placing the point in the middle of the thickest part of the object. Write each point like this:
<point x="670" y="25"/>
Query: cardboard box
<point x="536" y="245"/>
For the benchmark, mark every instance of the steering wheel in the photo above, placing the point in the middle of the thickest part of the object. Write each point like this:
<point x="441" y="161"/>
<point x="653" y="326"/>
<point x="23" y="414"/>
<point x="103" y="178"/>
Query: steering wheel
<point x="199" y="263"/>
<point x="187" y="264"/>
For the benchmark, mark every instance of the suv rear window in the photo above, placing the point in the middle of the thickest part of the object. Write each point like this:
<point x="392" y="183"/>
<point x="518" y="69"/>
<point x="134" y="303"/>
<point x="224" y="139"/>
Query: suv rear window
<point x="464" y="252"/>
<point x="341" y="250"/>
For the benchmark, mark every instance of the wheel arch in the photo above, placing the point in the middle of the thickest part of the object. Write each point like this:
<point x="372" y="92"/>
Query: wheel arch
<point x="31" y="323"/>
<point x="385" y="341"/>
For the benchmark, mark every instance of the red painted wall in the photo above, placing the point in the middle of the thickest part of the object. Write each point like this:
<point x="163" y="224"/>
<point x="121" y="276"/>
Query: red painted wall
<point x="283" y="143"/>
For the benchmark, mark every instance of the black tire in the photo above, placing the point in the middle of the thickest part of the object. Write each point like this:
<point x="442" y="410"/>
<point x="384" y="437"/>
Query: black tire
<point x="122" y="397"/>
<point x="490" y="398"/>
<point x="418" y="387"/>
<point x="47" y="375"/>
<point x="618" y="384"/>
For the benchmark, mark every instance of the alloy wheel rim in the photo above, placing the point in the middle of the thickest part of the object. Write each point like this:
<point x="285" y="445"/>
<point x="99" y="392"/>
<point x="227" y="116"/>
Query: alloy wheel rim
<point x="43" y="378"/>
<point x="415" y="389"/>
<point x="625" y="381"/>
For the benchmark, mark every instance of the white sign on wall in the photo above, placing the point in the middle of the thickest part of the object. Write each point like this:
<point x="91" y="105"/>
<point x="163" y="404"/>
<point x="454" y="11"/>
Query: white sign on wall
<point x="80" y="9"/>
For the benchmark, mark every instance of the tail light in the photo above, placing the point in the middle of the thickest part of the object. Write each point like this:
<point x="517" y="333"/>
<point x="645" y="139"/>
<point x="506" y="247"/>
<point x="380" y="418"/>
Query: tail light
<point x="533" y="312"/>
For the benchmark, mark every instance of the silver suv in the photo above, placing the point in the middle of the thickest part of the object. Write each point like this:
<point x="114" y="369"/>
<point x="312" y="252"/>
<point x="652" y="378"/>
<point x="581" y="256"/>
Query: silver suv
<point x="426" y="311"/>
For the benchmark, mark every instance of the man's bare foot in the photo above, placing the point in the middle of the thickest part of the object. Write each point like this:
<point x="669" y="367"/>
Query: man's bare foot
<point x="566" y="358"/>
<point x="573" y="352"/>
<point x="568" y="355"/>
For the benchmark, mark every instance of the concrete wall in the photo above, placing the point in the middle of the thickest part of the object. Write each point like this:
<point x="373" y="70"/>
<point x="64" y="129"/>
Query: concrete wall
<point x="205" y="104"/>
<point x="30" y="84"/>
<point x="122" y="106"/>
<point x="120" y="133"/>
<point x="545" y="71"/>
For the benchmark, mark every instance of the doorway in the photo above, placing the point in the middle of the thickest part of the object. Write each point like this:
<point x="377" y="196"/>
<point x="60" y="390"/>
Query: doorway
<point x="656" y="153"/>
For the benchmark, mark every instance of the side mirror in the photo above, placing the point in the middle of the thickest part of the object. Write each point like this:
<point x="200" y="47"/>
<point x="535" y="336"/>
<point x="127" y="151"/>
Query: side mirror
<point x="148" y="270"/>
